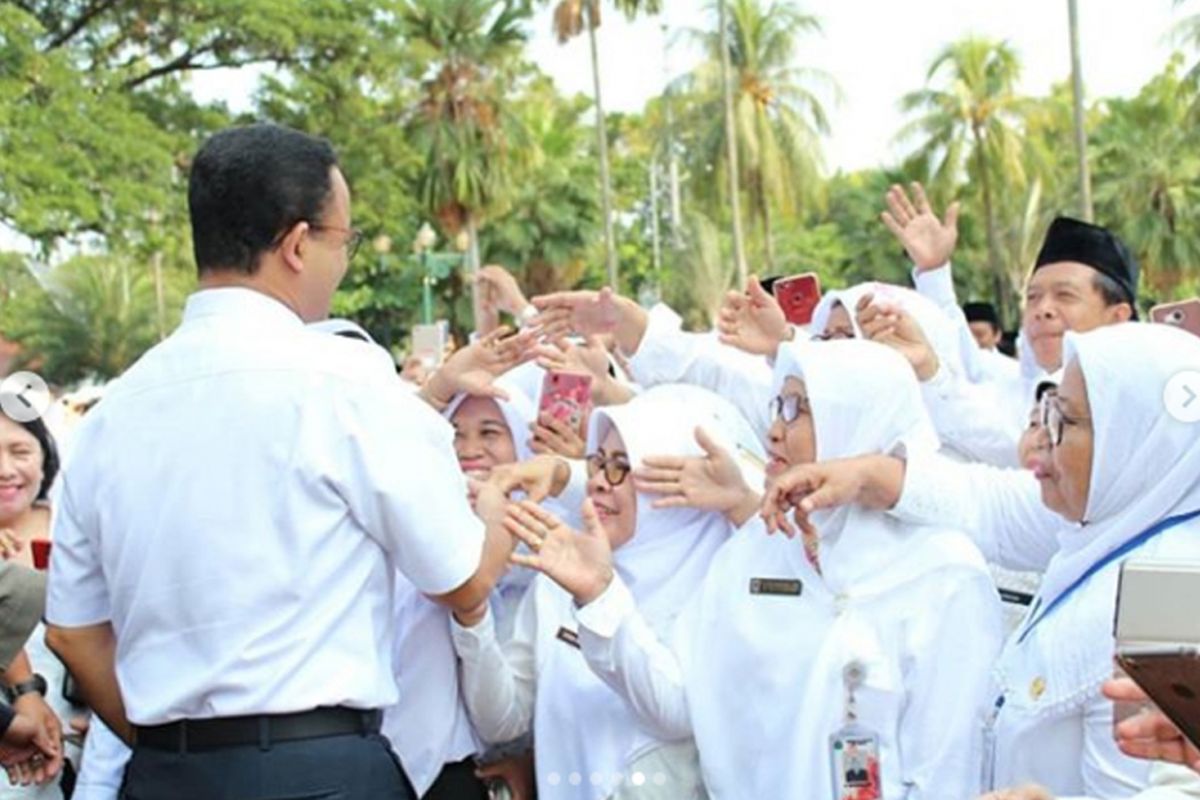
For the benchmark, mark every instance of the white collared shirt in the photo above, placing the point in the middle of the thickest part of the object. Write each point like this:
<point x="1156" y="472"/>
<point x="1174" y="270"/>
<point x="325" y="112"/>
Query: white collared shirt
<point x="235" y="507"/>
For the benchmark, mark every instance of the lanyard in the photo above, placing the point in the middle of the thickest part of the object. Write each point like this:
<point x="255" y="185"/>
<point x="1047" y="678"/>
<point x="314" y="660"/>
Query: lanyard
<point x="1120" y="552"/>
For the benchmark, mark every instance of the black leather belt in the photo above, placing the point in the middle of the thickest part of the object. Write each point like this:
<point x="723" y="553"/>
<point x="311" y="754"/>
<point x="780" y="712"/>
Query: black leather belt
<point x="211" y="734"/>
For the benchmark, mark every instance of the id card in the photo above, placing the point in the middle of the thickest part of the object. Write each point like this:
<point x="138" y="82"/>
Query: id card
<point x="854" y="753"/>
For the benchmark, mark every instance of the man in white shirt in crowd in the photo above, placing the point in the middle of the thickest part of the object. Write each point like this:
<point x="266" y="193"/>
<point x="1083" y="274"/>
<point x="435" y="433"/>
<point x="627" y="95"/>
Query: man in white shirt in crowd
<point x="227" y="530"/>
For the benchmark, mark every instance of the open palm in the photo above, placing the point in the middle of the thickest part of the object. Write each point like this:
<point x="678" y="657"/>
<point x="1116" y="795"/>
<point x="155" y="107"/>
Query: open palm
<point x="579" y="562"/>
<point x="928" y="240"/>
<point x="752" y="321"/>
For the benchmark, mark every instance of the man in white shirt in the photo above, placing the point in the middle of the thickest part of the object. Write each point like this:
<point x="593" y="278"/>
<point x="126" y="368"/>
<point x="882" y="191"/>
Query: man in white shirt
<point x="226" y="533"/>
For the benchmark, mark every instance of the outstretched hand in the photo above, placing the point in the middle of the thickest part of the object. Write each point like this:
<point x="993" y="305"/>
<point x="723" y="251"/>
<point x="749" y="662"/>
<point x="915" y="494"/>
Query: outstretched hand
<point x="584" y="312"/>
<point x="891" y="325"/>
<point x="472" y="369"/>
<point x="752" y="320"/>
<point x="928" y="241"/>
<point x="712" y="482"/>
<point x="581" y="563"/>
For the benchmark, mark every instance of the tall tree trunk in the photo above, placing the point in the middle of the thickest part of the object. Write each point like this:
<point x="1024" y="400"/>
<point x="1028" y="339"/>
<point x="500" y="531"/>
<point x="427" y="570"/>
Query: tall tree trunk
<point x="610" y="243"/>
<point x="731" y="148"/>
<point x="1085" y="179"/>
<point x="471" y="262"/>
<point x="993" y="237"/>
<point x="764" y="213"/>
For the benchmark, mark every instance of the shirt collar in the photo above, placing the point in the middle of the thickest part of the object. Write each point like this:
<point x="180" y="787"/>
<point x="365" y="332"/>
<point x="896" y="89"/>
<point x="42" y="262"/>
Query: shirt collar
<point x="236" y="301"/>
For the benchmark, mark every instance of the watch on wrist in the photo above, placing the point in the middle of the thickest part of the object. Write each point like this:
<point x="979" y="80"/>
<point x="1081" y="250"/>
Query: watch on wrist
<point x="35" y="684"/>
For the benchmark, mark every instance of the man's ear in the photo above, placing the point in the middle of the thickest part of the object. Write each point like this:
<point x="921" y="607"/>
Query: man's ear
<point x="293" y="245"/>
<point x="1121" y="312"/>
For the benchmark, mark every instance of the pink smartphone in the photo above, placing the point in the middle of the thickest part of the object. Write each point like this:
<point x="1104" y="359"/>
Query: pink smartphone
<point x="798" y="296"/>
<point x="1184" y="314"/>
<point x="41" y="553"/>
<point x="567" y="397"/>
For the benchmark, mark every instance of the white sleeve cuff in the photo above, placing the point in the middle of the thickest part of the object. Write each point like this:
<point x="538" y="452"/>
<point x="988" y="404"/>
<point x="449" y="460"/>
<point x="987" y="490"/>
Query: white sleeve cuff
<point x="661" y="322"/>
<point x="937" y="284"/>
<point x="470" y="642"/>
<point x="604" y="615"/>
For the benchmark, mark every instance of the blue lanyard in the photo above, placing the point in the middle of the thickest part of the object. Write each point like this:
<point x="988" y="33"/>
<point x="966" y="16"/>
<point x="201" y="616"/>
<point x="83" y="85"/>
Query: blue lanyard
<point x="1120" y="552"/>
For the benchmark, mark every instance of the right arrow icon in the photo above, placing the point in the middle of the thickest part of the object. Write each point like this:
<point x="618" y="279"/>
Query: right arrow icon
<point x="1182" y="396"/>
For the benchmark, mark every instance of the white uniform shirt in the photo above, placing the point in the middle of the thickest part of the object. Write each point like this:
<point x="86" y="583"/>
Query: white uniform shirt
<point x="1055" y="728"/>
<point x="235" y="508"/>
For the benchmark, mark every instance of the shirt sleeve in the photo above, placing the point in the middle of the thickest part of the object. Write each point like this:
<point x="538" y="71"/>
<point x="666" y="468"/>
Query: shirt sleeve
<point x="670" y="355"/>
<point x="952" y="654"/>
<point x="972" y="419"/>
<point x="77" y="592"/>
<point x="499" y="682"/>
<point x="1000" y="509"/>
<point x="405" y="488"/>
<point x="625" y="653"/>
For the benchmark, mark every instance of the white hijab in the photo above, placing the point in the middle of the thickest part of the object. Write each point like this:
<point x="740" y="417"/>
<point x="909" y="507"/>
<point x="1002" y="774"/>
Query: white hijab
<point x="581" y="725"/>
<point x="764" y="674"/>
<point x="1145" y="464"/>
<point x="944" y="335"/>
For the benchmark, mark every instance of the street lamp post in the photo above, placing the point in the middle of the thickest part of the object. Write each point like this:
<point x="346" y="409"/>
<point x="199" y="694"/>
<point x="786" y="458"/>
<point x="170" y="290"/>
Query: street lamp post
<point x="434" y="266"/>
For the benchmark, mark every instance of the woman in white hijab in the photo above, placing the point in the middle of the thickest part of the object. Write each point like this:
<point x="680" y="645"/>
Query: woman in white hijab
<point x="869" y="622"/>
<point x="588" y="743"/>
<point x="1126" y="474"/>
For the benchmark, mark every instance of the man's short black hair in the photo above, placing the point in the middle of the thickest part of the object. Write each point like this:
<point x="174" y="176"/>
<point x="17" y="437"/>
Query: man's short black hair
<point x="1111" y="292"/>
<point x="251" y="184"/>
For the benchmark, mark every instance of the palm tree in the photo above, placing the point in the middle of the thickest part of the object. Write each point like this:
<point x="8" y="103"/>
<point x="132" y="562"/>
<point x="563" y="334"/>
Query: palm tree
<point x="1148" y="174"/>
<point x="777" y="119"/>
<point x="461" y="122"/>
<point x="571" y="17"/>
<point x="970" y="124"/>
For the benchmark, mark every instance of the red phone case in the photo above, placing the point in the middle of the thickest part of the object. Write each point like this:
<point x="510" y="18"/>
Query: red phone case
<point x="41" y="553"/>
<point x="798" y="296"/>
<point x="567" y="397"/>
<point x="1184" y="314"/>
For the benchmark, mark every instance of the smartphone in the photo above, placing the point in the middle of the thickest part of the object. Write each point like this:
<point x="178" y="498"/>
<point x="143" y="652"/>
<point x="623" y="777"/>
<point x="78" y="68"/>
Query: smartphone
<point x="798" y="296"/>
<point x="567" y="397"/>
<point x="1158" y="638"/>
<point x="41" y="553"/>
<point x="1170" y="676"/>
<point x="1184" y="314"/>
<point x="429" y="343"/>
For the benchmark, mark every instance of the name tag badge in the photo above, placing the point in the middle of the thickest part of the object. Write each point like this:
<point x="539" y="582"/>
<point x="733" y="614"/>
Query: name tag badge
<point x="569" y="636"/>
<point x="854" y="752"/>
<point x="784" y="587"/>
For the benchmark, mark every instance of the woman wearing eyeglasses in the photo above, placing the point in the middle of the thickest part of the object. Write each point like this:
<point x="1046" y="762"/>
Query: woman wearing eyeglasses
<point x="851" y="662"/>
<point x="588" y="742"/>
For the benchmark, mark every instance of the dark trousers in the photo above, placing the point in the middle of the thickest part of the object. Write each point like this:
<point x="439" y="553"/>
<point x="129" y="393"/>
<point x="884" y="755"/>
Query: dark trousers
<point x="351" y="767"/>
<point x="457" y="782"/>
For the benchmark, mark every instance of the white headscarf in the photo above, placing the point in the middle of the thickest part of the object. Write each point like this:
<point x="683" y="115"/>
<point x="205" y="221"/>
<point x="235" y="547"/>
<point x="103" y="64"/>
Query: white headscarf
<point x="944" y="335"/>
<point x="764" y="674"/>
<point x="1145" y="463"/>
<point x="581" y="724"/>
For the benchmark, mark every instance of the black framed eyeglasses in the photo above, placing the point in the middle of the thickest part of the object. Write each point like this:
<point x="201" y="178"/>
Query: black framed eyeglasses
<point x="615" y="467"/>
<point x="789" y="407"/>
<point x="354" y="238"/>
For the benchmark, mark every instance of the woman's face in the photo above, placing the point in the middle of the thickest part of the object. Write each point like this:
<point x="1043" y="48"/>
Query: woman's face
<point x="482" y="439"/>
<point x="1032" y="447"/>
<point x="615" y="505"/>
<point x="1066" y="476"/>
<point x="791" y="441"/>
<point x="20" y="470"/>
<point x="839" y="324"/>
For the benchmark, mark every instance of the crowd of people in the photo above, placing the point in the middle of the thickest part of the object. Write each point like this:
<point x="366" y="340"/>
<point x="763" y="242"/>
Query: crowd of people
<point x="868" y="557"/>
